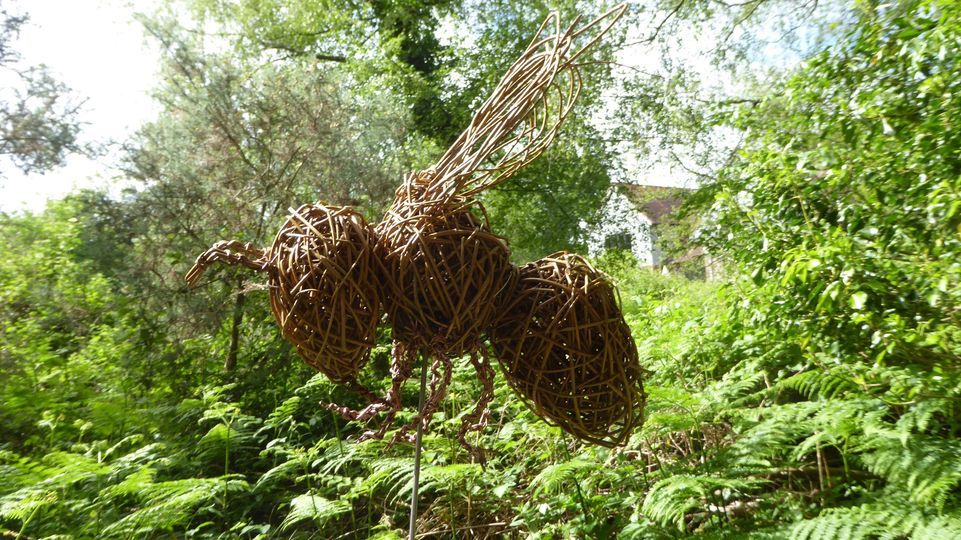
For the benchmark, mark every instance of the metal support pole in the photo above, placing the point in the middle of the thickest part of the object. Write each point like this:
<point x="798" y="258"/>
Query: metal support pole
<point x="417" y="449"/>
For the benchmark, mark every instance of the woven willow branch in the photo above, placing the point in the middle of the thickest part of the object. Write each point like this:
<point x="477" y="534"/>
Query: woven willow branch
<point x="445" y="280"/>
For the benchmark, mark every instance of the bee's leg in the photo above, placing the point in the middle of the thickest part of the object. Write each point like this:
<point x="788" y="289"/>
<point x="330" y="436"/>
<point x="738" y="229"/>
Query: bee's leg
<point x="375" y="405"/>
<point x="478" y="418"/>
<point x="400" y="370"/>
<point x="438" y="389"/>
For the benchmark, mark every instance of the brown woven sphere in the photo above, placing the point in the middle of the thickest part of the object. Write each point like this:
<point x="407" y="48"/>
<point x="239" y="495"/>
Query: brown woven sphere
<point x="324" y="288"/>
<point x="564" y="346"/>
<point x="444" y="269"/>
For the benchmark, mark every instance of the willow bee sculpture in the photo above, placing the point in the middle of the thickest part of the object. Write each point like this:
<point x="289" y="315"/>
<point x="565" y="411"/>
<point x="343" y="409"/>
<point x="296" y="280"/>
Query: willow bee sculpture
<point x="444" y="281"/>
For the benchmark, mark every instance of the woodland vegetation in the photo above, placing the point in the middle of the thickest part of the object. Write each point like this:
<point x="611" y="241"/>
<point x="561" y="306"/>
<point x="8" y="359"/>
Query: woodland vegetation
<point x="814" y="392"/>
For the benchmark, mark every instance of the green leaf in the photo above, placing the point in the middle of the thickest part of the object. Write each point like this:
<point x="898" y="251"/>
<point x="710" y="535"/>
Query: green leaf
<point x="314" y="508"/>
<point x="858" y="300"/>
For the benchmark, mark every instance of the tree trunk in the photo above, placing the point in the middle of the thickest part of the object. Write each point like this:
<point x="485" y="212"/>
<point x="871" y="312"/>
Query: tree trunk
<point x="231" y="362"/>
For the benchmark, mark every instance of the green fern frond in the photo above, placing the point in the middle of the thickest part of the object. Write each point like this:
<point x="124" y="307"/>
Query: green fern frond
<point x="318" y="382"/>
<point x="925" y="413"/>
<point x="123" y="443"/>
<point x="928" y="468"/>
<point x="836" y="422"/>
<point x="946" y="526"/>
<point x="766" y="435"/>
<point x="132" y="484"/>
<point x="445" y="477"/>
<point x="24" y="503"/>
<point x="150" y="455"/>
<point x="670" y="500"/>
<point x="389" y="475"/>
<point x="167" y="505"/>
<point x="236" y="435"/>
<point x="890" y="518"/>
<point x="336" y="456"/>
<point x="736" y="386"/>
<point x="559" y="476"/>
<point x="288" y="468"/>
<point x="75" y="466"/>
<point x="314" y="508"/>
<point x="65" y="469"/>
<point x="818" y="384"/>
<point x="284" y="413"/>
<point x="670" y="410"/>
<point x="17" y="471"/>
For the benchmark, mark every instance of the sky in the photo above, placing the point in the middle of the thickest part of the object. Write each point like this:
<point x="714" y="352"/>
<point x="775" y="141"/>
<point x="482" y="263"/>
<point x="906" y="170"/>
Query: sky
<point x="98" y="49"/>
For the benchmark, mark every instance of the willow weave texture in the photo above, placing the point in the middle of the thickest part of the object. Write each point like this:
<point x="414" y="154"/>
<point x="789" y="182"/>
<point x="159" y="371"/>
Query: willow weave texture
<point x="443" y="281"/>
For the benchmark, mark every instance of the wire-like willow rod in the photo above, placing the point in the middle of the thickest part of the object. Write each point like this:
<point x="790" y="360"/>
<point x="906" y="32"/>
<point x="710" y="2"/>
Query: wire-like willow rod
<point x="521" y="98"/>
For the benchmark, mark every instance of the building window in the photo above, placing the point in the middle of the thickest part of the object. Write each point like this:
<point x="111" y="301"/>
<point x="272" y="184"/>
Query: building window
<point x="622" y="240"/>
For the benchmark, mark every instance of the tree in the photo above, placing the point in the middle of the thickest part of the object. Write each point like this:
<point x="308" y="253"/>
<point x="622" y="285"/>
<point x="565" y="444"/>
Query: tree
<point x="39" y="121"/>
<point x="693" y="68"/>
<point x="393" y="42"/>
<point x="239" y="142"/>
<point x="840" y="197"/>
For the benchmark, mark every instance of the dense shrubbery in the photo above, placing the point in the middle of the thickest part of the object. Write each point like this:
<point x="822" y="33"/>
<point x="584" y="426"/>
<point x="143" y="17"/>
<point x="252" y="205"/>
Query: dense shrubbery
<point x="838" y="357"/>
<point x="98" y="443"/>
